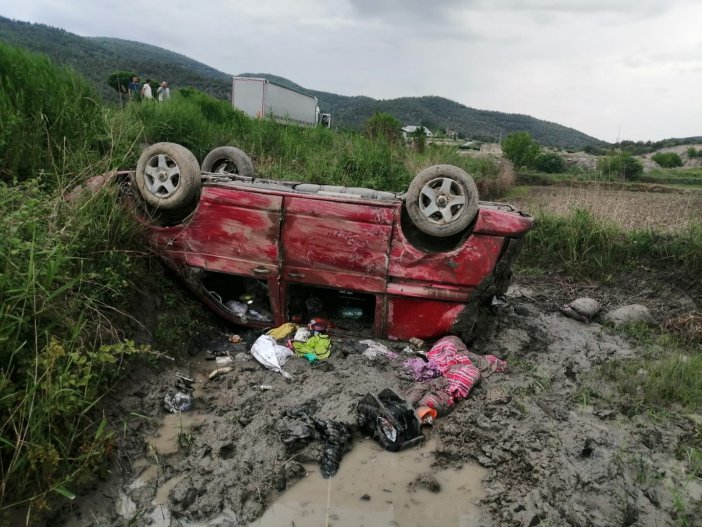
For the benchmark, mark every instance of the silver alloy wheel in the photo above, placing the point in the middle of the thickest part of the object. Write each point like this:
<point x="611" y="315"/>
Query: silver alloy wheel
<point x="162" y="175"/>
<point x="442" y="200"/>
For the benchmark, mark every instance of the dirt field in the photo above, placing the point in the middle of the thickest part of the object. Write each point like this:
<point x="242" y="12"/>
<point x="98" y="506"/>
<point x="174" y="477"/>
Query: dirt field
<point x="632" y="210"/>
<point x="548" y="443"/>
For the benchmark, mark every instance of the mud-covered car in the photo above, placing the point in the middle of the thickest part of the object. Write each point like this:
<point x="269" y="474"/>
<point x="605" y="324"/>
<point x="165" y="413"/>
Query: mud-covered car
<point x="261" y="252"/>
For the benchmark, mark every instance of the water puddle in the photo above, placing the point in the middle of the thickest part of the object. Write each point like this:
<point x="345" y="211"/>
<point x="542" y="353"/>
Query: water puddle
<point x="173" y="431"/>
<point x="372" y="489"/>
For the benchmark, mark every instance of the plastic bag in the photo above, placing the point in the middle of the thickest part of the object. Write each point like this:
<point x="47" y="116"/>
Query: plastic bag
<point x="273" y="356"/>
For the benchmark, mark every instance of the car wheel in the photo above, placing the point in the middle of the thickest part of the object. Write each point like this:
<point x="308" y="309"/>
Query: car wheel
<point x="442" y="200"/>
<point x="228" y="160"/>
<point x="167" y="176"/>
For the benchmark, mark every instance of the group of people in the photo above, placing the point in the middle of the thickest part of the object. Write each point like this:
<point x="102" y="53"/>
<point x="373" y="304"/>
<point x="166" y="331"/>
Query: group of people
<point x="137" y="90"/>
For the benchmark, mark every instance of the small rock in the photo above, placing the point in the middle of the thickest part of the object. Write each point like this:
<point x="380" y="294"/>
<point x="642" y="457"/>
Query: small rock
<point x="365" y="497"/>
<point x="629" y="315"/>
<point x="582" y="309"/>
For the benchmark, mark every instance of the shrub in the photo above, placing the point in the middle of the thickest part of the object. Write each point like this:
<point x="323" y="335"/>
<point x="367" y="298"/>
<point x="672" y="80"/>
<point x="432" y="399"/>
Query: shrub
<point x="520" y="148"/>
<point x="667" y="159"/>
<point x="382" y="125"/>
<point x="549" y="162"/>
<point x="119" y="81"/>
<point x="692" y="153"/>
<point x="621" y="165"/>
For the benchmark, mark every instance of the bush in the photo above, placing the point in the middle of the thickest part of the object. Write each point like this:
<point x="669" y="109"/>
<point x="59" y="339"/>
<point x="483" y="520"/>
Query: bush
<point x="520" y="148"/>
<point x="549" y="162"/>
<point x="383" y="126"/>
<point x="51" y="117"/>
<point x="692" y="153"/>
<point x="621" y="165"/>
<point x="667" y="159"/>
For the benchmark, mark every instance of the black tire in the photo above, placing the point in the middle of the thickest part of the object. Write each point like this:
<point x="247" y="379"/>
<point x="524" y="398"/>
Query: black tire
<point x="228" y="160"/>
<point x="442" y="200"/>
<point x="168" y="176"/>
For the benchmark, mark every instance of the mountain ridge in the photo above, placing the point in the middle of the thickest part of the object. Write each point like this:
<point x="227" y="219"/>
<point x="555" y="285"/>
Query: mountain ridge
<point x="97" y="57"/>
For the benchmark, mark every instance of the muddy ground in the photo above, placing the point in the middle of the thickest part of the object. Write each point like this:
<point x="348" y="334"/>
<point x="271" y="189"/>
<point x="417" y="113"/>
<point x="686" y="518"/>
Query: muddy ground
<point x="559" y="445"/>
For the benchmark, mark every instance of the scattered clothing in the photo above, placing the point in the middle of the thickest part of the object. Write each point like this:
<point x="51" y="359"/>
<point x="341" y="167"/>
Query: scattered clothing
<point x="283" y="331"/>
<point x="417" y="369"/>
<point x="451" y="370"/>
<point x="302" y="334"/>
<point x="317" y="347"/>
<point x="298" y="427"/>
<point x="374" y="349"/>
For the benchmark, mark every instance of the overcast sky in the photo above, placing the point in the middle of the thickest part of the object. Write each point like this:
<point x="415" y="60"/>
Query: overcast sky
<point x="609" y="68"/>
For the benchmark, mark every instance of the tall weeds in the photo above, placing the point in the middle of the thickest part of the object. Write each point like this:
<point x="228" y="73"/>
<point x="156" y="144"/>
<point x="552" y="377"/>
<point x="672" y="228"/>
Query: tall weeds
<point x="61" y="270"/>
<point x="51" y="117"/>
<point x="64" y="269"/>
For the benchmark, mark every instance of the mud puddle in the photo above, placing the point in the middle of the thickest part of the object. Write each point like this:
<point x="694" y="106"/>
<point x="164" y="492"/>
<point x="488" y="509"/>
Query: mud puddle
<point x="375" y="488"/>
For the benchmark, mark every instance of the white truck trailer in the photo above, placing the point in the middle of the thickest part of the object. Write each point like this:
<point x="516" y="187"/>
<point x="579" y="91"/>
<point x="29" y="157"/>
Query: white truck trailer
<point x="262" y="98"/>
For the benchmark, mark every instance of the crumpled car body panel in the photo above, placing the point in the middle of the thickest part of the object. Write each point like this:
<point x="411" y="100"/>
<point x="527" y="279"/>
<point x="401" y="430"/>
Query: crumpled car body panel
<point x="284" y="238"/>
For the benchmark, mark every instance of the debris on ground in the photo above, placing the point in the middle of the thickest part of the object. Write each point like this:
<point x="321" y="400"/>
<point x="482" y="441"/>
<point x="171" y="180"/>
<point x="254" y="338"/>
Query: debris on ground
<point x="298" y="428"/>
<point x="390" y="420"/>
<point x="449" y="374"/>
<point x="178" y="402"/>
<point x="219" y="371"/>
<point x="376" y="349"/>
<point x="560" y="443"/>
<point x="272" y="355"/>
<point x="316" y="347"/>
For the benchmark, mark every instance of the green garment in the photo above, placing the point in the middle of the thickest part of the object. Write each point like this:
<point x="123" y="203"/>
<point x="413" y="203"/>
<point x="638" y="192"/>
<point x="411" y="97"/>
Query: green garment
<point x="316" y="347"/>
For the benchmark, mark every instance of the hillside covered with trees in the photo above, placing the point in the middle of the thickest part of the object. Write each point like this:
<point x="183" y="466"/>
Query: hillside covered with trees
<point x="98" y="57"/>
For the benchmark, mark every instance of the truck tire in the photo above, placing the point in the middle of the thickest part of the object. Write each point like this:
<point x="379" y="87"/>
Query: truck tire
<point x="228" y="160"/>
<point x="167" y="176"/>
<point x="442" y="200"/>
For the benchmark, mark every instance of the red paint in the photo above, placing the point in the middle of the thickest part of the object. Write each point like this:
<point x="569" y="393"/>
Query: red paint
<point x="338" y="243"/>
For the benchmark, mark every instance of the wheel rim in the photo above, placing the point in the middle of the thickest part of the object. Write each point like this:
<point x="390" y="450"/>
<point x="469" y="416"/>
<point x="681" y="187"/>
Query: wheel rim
<point x="224" y="166"/>
<point x="442" y="200"/>
<point x="162" y="176"/>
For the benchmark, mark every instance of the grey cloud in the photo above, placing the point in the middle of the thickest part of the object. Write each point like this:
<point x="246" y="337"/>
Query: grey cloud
<point x="405" y="10"/>
<point x="630" y="7"/>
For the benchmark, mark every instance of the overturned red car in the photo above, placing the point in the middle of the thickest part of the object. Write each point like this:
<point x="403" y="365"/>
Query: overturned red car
<point x="262" y="252"/>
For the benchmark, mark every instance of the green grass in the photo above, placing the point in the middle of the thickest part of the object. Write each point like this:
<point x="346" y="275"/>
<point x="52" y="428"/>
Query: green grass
<point x="667" y="373"/>
<point x="51" y="117"/>
<point x="585" y="247"/>
<point x="675" y="177"/>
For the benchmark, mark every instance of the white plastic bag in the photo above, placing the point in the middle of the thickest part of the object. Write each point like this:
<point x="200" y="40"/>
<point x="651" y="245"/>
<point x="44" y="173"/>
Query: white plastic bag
<point x="272" y="355"/>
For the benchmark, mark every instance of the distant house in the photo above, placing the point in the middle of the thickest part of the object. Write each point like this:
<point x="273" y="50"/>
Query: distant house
<point x="410" y="129"/>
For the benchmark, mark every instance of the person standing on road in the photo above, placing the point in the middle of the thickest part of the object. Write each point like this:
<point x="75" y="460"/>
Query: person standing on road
<point x="133" y="88"/>
<point x="164" y="93"/>
<point x="146" y="90"/>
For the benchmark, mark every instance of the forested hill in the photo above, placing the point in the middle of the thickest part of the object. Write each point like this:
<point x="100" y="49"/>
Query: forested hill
<point x="97" y="57"/>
